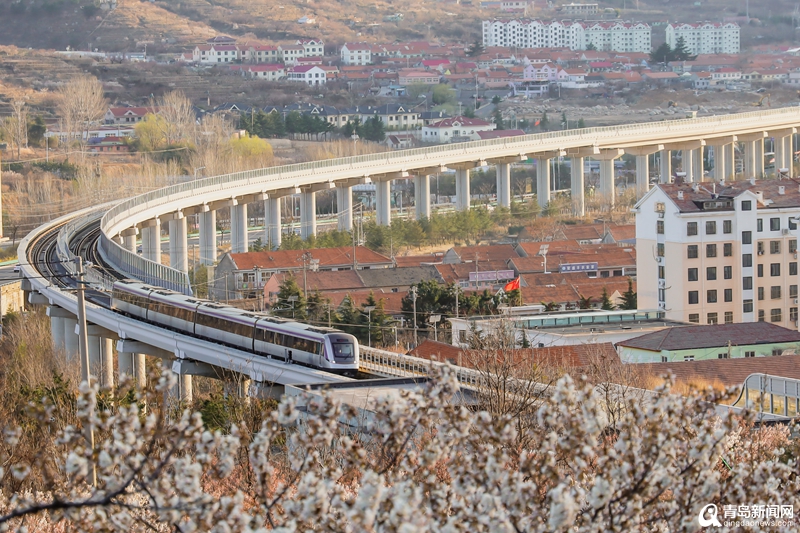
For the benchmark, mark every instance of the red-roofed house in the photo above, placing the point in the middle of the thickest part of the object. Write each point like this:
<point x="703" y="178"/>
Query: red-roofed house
<point x="456" y="129"/>
<point x="409" y="77"/>
<point x="127" y="115"/>
<point x="216" y="53"/>
<point x="308" y="74"/>
<point x="269" y="72"/>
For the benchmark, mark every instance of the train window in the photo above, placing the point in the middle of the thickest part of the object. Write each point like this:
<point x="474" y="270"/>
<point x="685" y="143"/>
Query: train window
<point x="342" y="350"/>
<point x="265" y="336"/>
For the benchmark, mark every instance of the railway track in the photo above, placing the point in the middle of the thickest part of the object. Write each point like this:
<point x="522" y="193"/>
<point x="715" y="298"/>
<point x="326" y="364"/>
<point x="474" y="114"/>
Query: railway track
<point x="42" y="256"/>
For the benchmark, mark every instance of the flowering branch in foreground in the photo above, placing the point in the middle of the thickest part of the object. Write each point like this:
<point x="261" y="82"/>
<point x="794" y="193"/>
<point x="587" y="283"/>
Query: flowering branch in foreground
<point x="423" y="462"/>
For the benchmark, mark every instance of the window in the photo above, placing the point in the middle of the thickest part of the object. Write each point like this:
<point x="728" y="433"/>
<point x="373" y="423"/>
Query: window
<point x="692" y="274"/>
<point x="727" y="226"/>
<point x="728" y="295"/>
<point x="729" y="317"/>
<point x="775" y="269"/>
<point x="760" y="248"/>
<point x="761" y="293"/>
<point x="691" y="228"/>
<point x="761" y="315"/>
<point x="750" y="354"/>
<point x="747" y="237"/>
<point x="792" y="223"/>
<point x="688" y="358"/>
<point x="661" y="272"/>
<point x="760" y="271"/>
<point x="711" y="296"/>
<point x="775" y="315"/>
<point x="774" y="247"/>
<point x="775" y="292"/>
<point x="711" y="250"/>
<point x="711" y="273"/>
<point x="722" y="356"/>
<point x="663" y="358"/>
<point x="793" y="314"/>
<point x="747" y="306"/>
<point x="775" y="224"/>
<point x="694" y="318"/>
<point x="727" y="249"/>
<point x="760" y="225"/>
<point x="712" y="318"/>
<point x="660" y="227"/>
<point x="792" y="291"/>
<point x="747" y="260"/>
<point x="747" y="205"/>
<point x="792" y="246"/>
<point x="660" y="249"/>
<point x="711" y="227"/>
<point x="727" y="272"/>
<point x="793" y="268"/>
<point x="691" y="251"/>
<point x="694" y="297"/>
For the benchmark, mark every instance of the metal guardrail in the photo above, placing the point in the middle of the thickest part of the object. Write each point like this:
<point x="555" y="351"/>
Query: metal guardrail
<point x="69" y="259"/>
<point x="773" y="395"/>
<point x="318" y="171"/>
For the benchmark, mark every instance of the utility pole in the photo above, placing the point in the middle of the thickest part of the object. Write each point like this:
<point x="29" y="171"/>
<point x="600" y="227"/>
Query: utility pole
<point x="83" y="346"/>
<point x="414" y="300"/>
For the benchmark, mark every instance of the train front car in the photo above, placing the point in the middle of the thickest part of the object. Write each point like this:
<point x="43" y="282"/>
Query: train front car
<point x="341" y="353"/>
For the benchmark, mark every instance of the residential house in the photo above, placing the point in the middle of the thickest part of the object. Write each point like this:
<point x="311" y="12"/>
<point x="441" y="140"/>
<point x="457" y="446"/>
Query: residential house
<point x="393" y="116"/>
<point x="356" y="54"/>
<point x="410" y="77"/>
<point x="309" y="74"/>
<point x="312" y="47"/>
<point x="290" y="52"/>
<point x="717" y="341"/>
<point x="269" y="72"/>
<point x="660" y="78"/>
<point x="216" y="54"/>
<point x="456" y="129"/>
<point x="472" y="254"/>
<point x="701" y="80"/>
<point x="260" y="53"/>
<point x="310" y="60"/>
<point x="109" y="144"/>
<point x="127" y="115"/>
<point x="725" y="75"/>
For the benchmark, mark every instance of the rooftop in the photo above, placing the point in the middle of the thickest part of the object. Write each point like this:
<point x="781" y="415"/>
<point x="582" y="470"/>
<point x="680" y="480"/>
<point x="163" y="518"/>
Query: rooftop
<point x="694" y="199"/>
<point x="291" y="259"/>
<point x="713" y="336"/>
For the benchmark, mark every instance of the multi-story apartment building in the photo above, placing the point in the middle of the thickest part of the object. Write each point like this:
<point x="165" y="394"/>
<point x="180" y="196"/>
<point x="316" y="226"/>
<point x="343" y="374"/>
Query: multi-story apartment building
<point x="618" y="36"/>
<point x="356" y="54"/>
<point x="706" y="37"/>
<point x="580" y="9"/>
<point x="711" y="253"/>
<point x="528" y="33"/>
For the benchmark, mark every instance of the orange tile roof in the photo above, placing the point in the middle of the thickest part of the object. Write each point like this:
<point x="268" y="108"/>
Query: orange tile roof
<point x="495" y="252"/>
<point x="326" y="280"/>
<point x="452" y="273"/>
<point x="571" y="356"/>
<point x="290" y="259"/>
<point x="416" y="260"/>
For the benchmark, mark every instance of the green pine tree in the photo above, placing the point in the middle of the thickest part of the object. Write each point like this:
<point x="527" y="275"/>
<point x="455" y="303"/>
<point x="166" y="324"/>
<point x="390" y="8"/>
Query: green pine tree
<point x="606" y="303"/>
<point x="629" y="298"/>
<point x="544" y="122"/>
<point x="291" y="302"/>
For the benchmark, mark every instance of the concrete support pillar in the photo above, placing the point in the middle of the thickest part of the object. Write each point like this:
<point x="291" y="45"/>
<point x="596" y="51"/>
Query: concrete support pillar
<point x="178" y="247"/>
<point x="182" y="391"/>
<point x="462" y="189"/>
<point x="665" y="166"/>
<point x="95" y="357"/>
<point x="607" y="181"/>
<point x="239" y="238"/>
<point x="422" y="196"/>
<point x="543" y="181"/>
<point x="780" y="153"/>
<point x="70" y="338"/>
<point x="504" y="185"/>
<point x="129" y="243"/>
<point x="577" y="186"/>
<point x="151" y="242"/>
<point x="687" y="159"/>
<point x="642" y="175"/>
<point x="344" y="207"/>
<point x="57" y="329"/>
<point x="208" y="237"/>
<point x="788" y="153"/>
<point x="272" y="211"/>
<point x="106" y="362"/>
<point x="133" y="365"/>
<point x="730" y="162"/>
<point x="749" y="159"/>
<point x="383" y="202"/>
<point x="308" y="214"/>
<point x="758" y="169"/>
<point x="697" y="164"/>
<point x="719" y="162"/>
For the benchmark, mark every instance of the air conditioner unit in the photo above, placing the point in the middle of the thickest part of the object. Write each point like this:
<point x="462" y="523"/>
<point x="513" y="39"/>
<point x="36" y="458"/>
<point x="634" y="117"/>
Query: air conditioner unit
<point x="761" y="252"/>
<point x="785" y="231"/>
<point x="795" y="255"/>
<point x="795" y="301"/>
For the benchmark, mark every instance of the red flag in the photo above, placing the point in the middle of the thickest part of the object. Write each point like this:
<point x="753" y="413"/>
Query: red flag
<point x="537" y="123"/>
<point x="512" y="285"/>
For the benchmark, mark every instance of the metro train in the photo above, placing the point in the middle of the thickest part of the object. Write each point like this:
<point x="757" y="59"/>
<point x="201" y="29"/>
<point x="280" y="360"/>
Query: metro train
<point x="319" y="347"/>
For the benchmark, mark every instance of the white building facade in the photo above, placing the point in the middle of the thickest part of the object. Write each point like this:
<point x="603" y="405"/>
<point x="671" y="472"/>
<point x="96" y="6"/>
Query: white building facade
<point x="706" y="37"/>
<point x="456" y="129"/>
<point x="310" y="75"/>
<point x="528" y="33"/>
<point x="713" y="253"/>
<point x="356" y="54"/>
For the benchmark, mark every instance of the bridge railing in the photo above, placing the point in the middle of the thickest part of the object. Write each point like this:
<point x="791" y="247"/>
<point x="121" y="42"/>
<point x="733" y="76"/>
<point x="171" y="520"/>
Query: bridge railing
<point x="774" y="395"/>
<point x="128" y="210"/>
